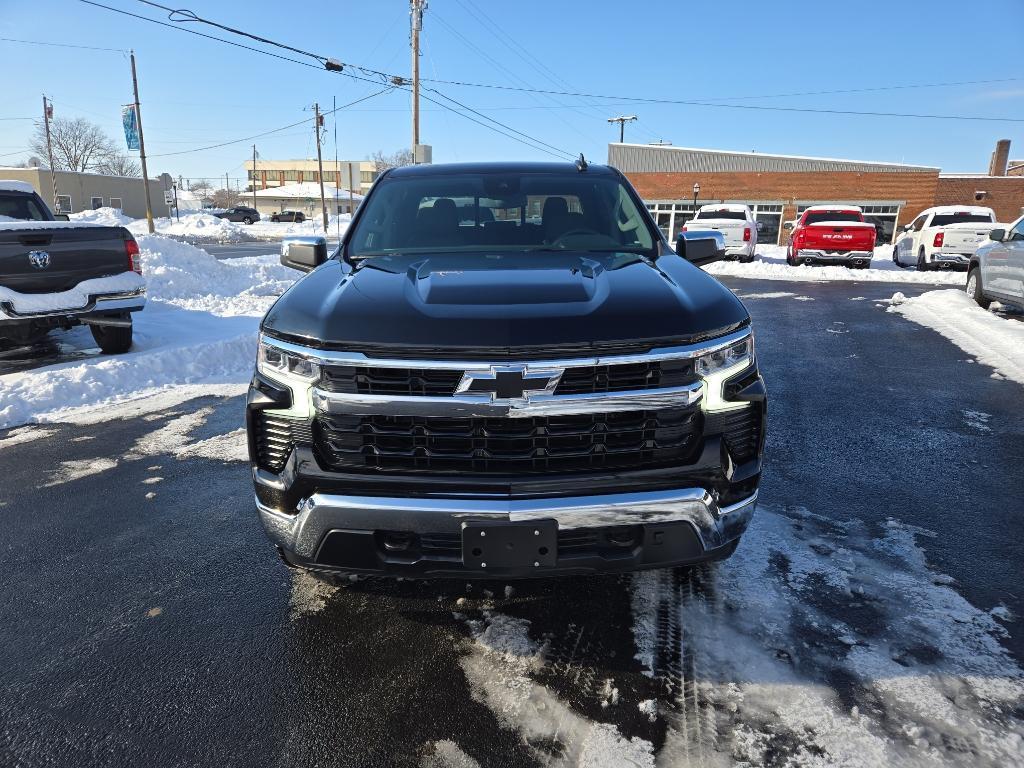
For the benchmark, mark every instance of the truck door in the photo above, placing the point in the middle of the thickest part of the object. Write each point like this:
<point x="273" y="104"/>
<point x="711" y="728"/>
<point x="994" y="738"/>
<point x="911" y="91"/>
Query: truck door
<point x="1014" y="245"/>
<point x="906" y="253"/>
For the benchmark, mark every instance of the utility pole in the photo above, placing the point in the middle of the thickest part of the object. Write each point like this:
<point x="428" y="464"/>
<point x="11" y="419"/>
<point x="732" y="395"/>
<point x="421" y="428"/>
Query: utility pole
<point x="320" y="164"/>
<point x="417" y="7"/>
<point x="142" y="149"/>
<point x="254" y="176"/>
<point x="351" y="183"/>
<point x="47" y="114"/>
<point x="622" y="120"/>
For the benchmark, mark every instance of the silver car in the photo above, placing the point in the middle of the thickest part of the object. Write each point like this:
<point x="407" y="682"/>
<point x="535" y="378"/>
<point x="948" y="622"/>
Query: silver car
<point x="996" y="271"/>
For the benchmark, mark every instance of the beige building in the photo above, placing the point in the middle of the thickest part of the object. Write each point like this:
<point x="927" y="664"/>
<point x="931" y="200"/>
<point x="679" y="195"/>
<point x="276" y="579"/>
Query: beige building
<point x="78" y="192"/>
<point x="357" y="175"/>
<point x="305" y="197"/>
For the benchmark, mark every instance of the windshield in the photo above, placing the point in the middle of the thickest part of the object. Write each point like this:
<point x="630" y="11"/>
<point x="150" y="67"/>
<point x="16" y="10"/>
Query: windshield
<point x="944" y="219"/>
<point x="816" y="217"/>
<point x="723" y="214"/>
<point x="507" y="212"/>
<point x="18" y="206"/>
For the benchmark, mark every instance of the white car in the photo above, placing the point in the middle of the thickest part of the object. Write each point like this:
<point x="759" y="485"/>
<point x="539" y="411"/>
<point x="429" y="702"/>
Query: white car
<point x="943" y="237"/>
<point x="736" y="223"/>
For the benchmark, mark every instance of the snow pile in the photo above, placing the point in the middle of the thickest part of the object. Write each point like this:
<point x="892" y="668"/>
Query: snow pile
<point x="313" y="225"/>
<point x="196" y="228"/>
<point x="992" y="340"/>
<point x="107" y="217"/>
<point x="199" y="327"/>
<point x="189" y="277"/>
<point x="770" y="264"/>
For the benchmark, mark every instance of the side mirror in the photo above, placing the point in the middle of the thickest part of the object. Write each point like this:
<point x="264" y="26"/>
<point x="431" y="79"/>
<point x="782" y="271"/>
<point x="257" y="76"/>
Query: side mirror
<point x="61" y="217"/>
<point x="304" y="253"/>
<point x="997" y="234"/>
<point x="788" y="225"/>
<point x="700" y="248"/>
<point x="758" y="225"/>
<point x="907" y="227"/>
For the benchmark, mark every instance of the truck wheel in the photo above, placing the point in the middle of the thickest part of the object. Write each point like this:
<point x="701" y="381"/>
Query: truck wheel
<point x="789" y="256"/>
<point x="247" y="220"/>
<point x="896" y="257"/>
<point x="113" y="340"/>
<point x="974" y="288"/>
<point x="922" y="265"/>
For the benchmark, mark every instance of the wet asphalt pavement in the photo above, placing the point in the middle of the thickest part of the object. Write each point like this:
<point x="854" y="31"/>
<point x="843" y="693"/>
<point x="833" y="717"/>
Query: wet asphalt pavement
<point x="163" y="630"/>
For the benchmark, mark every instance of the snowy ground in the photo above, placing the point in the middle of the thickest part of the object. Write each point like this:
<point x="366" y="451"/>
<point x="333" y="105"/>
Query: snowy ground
<point x="770" y="264"/>
<point x="199" y="325"/>
<point x="200" y="228"/>
<point x="819" y="644"/>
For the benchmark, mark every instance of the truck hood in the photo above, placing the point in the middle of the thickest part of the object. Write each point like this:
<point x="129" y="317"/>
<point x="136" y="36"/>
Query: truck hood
<point x="503" y="301"/>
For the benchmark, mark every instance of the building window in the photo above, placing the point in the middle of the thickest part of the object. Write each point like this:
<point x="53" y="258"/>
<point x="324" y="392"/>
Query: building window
<point x="97" y="202"/>
<point x="291" y="175"/>
<point x="115" y="202"/>
<point x="367" y="177"/>
<point x="63" y="204"/>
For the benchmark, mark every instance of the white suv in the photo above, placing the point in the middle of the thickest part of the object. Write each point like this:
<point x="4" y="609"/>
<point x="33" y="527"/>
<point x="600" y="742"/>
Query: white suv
<point x="943" y="237"/>
<point x="997" y="269"/>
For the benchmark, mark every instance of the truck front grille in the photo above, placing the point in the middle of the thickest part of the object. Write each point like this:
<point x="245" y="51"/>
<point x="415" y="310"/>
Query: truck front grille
<point x="276" y="436"/>
<point x="500" y="446"/>
<point x="438" y="382"/>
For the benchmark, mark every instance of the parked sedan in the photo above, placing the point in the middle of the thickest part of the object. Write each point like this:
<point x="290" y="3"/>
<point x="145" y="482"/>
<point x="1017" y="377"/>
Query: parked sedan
<point x="240" y="213"/>
<point x="294" y="216"/>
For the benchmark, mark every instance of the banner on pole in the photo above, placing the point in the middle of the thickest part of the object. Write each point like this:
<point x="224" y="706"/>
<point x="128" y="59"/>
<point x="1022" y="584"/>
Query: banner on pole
<point x="131" y="126"/>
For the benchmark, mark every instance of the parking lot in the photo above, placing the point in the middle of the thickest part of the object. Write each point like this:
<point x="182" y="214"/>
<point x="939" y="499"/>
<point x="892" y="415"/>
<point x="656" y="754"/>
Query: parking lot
<point x="871" y="615"/>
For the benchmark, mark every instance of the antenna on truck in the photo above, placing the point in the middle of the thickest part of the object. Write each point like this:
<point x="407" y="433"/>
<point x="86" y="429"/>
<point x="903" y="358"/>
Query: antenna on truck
<point x="581" y="163"/>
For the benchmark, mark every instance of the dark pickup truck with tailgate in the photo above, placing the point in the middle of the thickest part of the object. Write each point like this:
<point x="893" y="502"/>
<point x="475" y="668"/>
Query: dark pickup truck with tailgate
<point x="59" y="274"/>
<point x="504" y="371"/>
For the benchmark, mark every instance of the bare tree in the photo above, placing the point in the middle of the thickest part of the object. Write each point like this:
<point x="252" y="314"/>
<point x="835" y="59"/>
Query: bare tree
<point x="201" y="188"/>
<point x="32" y="162"/>
<point x="224" y="198"/>
<point x="78" y="145"/>
<point x="116" y="164"/>
<point x="394" y="160"/>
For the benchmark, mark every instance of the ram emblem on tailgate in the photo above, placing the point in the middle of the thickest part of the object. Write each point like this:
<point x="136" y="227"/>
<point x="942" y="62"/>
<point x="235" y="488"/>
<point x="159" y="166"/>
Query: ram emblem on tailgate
<point x="39" y="259"/>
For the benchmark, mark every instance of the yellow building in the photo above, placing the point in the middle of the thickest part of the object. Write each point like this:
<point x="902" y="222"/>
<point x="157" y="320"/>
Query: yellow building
<point x="357" y="175"/>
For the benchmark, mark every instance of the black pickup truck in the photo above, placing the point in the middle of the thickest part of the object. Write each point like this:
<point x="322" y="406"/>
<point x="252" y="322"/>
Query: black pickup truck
<point x="58" y="274"/>
<point x="504" y="371"/>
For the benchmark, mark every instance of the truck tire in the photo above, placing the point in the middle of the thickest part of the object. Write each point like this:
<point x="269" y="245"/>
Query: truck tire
<point x="112" y="339"/>
<point x="789" y="256"/>
<point x="896" y="257"/>
<point x="247" y="220"/>
<point x="974" y="288"/>
<point x="922" y="265"/>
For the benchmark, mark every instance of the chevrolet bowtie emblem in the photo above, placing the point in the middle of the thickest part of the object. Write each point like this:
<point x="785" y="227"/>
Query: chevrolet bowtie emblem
<point x="509" y="382"/>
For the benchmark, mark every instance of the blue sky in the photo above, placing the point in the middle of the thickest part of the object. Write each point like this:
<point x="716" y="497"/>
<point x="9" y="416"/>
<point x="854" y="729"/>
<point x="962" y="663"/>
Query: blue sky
<point x="197" y="92"/>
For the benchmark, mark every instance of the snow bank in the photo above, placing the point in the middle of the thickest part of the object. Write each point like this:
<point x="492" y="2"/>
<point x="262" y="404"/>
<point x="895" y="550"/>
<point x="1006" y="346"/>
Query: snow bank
<point x="199" y="327"/>
<point x="196" y="228"/>
<point x="770" y="264"/>
<point x="108" y="217"/>
<point x="992" y="340"/>
<point x="313" y="225"/>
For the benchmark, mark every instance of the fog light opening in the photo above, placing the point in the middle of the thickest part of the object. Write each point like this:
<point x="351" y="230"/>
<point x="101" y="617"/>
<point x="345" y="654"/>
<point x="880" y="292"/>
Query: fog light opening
<point x="398" y="542"/>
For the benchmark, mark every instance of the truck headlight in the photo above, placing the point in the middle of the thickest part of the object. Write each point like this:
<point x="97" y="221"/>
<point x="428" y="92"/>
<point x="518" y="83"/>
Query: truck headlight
<point x="741" y="351"/>
<point x="272" y="359"/>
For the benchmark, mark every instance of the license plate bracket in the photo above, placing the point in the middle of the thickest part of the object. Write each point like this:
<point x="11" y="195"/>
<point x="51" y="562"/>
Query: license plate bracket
<point x="495" y="545"/>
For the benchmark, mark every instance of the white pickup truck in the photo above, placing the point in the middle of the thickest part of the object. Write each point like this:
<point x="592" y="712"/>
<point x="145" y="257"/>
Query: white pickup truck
<point x="736" y="223"/>
<point x="945" y="237"/>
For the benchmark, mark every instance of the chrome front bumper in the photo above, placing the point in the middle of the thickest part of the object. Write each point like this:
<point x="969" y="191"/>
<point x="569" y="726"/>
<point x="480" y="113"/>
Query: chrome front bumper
<point x="300" y="534"/>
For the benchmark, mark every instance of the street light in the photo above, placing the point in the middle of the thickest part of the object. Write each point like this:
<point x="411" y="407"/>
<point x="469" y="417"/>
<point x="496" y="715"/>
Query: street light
<point x="696" y="191"/>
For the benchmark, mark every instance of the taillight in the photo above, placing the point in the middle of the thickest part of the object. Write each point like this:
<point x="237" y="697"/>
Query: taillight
<point x="683" y="229"/>
<point x="131" y="250"/>
<point x="746" y="234"/>
<point x="939" y="238"/>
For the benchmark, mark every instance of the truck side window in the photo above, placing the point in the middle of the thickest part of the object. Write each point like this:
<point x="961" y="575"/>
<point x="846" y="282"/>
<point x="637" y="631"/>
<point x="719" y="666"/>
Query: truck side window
<point x="1017" y="233"/>
<point x="919" y="223"/>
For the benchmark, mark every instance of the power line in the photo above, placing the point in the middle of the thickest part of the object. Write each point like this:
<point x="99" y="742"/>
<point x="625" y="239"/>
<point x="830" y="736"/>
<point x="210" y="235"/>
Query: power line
<point x="62" y="45"/>
<point x="265" y="133"/>
<point x="398" y="79"/>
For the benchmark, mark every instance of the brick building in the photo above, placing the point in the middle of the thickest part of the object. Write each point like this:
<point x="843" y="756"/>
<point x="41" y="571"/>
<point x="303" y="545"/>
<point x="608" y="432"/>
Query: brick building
<point x="780" y="187"/>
